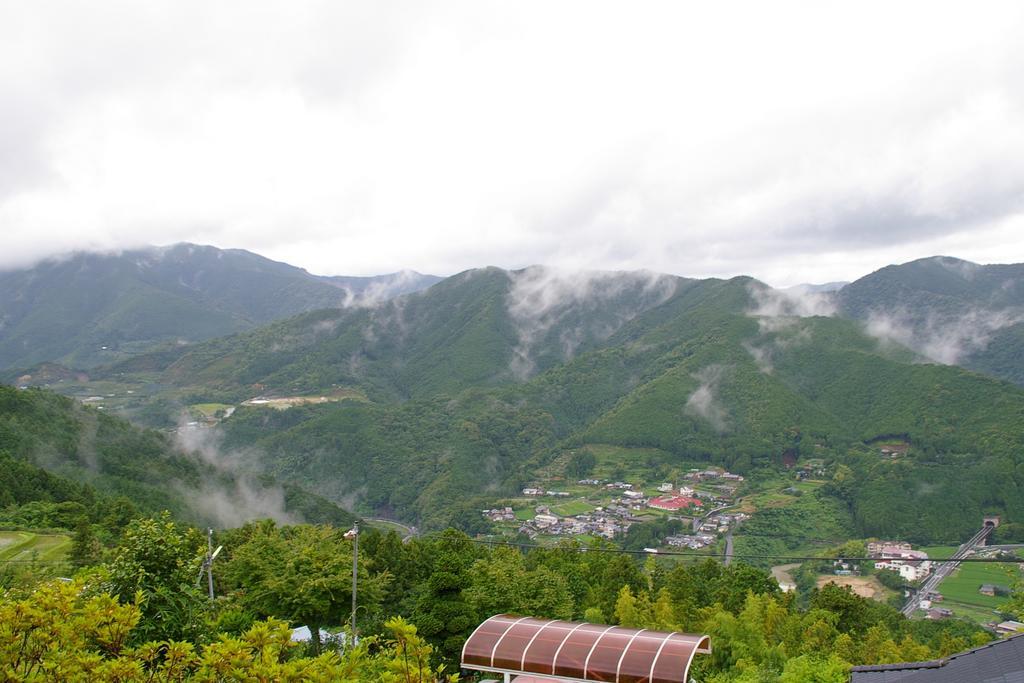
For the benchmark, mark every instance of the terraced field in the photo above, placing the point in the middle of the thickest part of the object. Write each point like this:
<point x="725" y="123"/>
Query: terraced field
<point x="25" y="546"/>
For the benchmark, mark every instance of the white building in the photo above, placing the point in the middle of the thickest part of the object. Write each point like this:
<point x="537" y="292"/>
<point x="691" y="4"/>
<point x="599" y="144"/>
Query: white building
<point x="544" y="521"/>
<point x="912" y="565"/>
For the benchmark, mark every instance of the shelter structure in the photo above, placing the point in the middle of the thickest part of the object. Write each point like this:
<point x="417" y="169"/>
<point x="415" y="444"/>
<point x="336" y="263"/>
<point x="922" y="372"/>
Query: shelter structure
<point x="532" y="650"/>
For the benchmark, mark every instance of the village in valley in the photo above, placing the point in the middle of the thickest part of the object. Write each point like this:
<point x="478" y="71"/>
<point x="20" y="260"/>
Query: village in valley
<point x="599" y="508"/>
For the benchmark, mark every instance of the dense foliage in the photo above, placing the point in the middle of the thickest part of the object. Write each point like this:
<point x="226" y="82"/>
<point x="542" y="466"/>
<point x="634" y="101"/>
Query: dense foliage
<point x="695" y="376"/>
<point x="72" y="632"/>
<point x="140" y="617"/>
<point x="62" y="461"/>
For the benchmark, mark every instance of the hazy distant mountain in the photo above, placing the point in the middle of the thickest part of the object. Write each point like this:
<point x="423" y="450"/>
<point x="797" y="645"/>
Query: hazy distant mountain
<point x="806" y="288"/>
<point x="377" y="288"/>
<point x="949" y="310"/>
<point x="91" y="308"/>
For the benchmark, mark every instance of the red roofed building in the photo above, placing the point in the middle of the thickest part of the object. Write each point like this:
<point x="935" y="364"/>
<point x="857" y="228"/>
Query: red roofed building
<point x="673" y="502"/>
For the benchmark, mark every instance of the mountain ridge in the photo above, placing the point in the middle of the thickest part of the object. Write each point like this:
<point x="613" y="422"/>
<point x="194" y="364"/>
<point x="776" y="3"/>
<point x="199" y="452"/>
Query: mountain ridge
<point x="87" y="308"/>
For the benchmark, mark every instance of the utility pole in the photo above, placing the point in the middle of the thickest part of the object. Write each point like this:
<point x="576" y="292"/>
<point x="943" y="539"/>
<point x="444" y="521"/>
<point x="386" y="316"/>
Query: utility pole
<point x="355" y="569"/>
<point x="209" y="560"/>
<point x="207" y="565"/>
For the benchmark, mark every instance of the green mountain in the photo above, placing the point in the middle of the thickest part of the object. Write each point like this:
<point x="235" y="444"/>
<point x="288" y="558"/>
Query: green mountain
<point x="89" y="309"/>
<point x="949" y="310"/>
<point x="54" y="449"/>
<point x="481" y="328"/>
<point x="455" y="396"/>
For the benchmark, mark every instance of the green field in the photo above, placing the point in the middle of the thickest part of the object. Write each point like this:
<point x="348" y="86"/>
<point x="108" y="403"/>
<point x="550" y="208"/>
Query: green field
<point x="209" y="410"/>
<point x="25" y="546"/>
<point x="938" y="552"/>
<point x="960" y="590"/>
<point x="575" y="507"/>
<point x="634" y="465"/>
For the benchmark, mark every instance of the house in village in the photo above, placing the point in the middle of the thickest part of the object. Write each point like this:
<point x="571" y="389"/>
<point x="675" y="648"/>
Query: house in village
<point x="673" y="503"/>
<point x="912" y="565"/>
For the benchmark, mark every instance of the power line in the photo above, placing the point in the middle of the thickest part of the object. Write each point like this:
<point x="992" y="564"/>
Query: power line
<point x="739" y="556"/>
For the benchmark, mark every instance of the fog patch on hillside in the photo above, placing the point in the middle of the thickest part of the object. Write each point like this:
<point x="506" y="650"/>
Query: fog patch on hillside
<point x="762" y="356"/>
<point x="232" y="495"/>
<point x="778" y="313"/>
<point x="381" y="289"/>
<point x="946" y="339"/>
<point x="541" y="298"/>
<point x="703" y="402"/>
<point x="796" y="302"/>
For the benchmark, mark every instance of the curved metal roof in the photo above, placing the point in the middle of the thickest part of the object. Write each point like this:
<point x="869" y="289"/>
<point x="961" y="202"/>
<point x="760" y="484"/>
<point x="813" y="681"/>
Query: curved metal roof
<point x="578" y="651"/>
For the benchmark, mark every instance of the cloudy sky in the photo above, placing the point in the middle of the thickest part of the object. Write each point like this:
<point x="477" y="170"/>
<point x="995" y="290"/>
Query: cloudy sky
<point x="791" y="141"/>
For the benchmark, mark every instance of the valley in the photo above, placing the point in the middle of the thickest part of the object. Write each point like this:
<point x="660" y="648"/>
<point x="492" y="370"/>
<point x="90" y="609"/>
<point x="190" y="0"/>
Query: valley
<point x="626" y="448"/>
<point x="544" y="405"/>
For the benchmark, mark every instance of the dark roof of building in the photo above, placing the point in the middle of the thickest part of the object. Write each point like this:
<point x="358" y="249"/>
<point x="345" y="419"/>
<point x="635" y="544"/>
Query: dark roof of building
<point x="1001" y="661"/>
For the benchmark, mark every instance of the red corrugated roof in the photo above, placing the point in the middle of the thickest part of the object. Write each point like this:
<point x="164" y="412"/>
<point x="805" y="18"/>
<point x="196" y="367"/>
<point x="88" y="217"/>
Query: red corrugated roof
<point x="579" y="651"/>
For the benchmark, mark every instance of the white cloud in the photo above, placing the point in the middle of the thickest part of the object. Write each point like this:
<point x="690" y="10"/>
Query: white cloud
<point x="540" y="298"/>
<point x="946" y="339"/>
<point x="791" y="142"/>
<point x="703" y="401"/>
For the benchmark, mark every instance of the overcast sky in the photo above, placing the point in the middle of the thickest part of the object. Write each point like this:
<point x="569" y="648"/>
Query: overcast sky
<point x="796" y="142"/>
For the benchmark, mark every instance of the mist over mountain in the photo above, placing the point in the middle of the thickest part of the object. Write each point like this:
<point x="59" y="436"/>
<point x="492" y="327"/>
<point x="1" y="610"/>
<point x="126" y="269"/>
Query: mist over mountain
<point x="427" y="405"/>
<point x="436" y="402"/>
<point x="90" y="308"/>
<point x="55" y="449"/>
<point x="951" y="311"/>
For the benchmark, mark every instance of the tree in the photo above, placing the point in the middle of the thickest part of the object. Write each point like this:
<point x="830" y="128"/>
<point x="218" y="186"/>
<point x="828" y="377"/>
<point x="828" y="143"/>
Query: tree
<point x="816" y="668"/>
<point x="502" y="583"/>
<point x="85" y="547"/>
<point x="408" y="659"/>
<point x="158" y="560"/>
<point x="302" y="574"/>
<point x="581" y="464"/>
<point x="71" y="631"/>
<point x="442" y="614"/>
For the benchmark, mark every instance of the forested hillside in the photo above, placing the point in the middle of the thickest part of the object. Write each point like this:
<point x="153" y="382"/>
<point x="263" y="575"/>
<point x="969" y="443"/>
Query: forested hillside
<point x="457" y="395"/>
<point x="432" y="405"/>
<point x="58" y="451"/>
<point x="89" y="308"/>
<point x="950" y="310"/>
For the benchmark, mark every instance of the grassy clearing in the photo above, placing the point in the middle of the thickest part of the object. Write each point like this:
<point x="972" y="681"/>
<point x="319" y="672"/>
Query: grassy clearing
<point x="939" y="552"/>
<point x="960" y="589"/>
<point x="575" y="507"/>
<point x="387" y="525"/>
<point x="24" y="546"/>
<point x="209" y="410"/>
<point x="963" y="584"/>
<point x="633" y="464"/>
